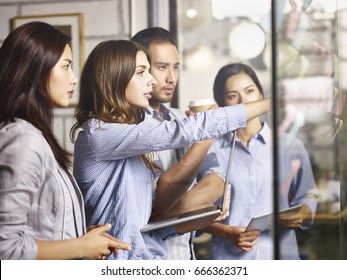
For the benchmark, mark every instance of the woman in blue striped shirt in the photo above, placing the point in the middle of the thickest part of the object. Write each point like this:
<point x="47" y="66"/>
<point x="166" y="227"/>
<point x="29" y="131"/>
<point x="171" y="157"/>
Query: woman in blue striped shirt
<point x="114" y="160"/>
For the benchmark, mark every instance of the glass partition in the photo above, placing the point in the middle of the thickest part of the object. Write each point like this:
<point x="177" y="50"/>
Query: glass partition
<point x="310" y="85"/>
<point x="306" y="39"/>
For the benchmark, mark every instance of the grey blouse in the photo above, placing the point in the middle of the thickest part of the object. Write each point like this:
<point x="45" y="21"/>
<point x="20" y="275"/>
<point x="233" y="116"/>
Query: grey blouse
<point x="38" y="199"/>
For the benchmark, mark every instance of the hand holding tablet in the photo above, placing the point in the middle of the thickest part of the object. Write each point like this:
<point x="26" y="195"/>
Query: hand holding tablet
<point x="264" y="222"/>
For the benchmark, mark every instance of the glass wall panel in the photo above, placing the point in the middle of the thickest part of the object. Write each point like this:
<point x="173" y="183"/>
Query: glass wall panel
<point x="307" y="39"/>
<point x="311" y="86"/>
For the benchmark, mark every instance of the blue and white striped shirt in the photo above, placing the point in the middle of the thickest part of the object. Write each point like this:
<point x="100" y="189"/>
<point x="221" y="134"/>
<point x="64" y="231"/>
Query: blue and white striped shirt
<point x="117" y="186"/>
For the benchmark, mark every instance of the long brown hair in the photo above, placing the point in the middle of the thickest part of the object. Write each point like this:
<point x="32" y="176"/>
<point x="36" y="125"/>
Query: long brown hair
<point x="104" y="79"/>
<point x="27" y="57"/>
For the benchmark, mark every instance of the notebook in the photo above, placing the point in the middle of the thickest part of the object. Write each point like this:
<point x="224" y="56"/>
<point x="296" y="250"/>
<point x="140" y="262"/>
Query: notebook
<point x="264" y="222"/>
<point x="215" y="210"/>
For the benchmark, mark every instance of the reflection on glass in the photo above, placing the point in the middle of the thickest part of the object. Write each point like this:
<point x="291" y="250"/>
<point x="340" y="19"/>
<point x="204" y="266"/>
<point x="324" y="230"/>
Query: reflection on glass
<point x="312" y="84"/>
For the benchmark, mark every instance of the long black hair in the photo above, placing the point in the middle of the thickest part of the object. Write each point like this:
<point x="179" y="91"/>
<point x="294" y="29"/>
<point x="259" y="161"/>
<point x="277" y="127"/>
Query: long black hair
<point x="230" y="70"/>
<point x="27" y="57"/>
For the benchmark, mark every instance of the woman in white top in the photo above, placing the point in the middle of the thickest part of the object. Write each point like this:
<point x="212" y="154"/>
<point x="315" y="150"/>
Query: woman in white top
<point x="41" y="208"/>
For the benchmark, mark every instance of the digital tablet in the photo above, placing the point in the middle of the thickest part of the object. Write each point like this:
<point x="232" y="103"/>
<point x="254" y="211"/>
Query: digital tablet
<point x="264" y="222"/>
<point x="184" y="217"/>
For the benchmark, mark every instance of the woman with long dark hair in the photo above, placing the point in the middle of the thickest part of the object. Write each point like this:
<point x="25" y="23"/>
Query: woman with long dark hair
<point x="251" y="177"/>
<point x="41" y="208"/>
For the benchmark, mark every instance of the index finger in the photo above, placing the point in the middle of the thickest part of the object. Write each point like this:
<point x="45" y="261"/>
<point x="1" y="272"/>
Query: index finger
<point x="117" y="244"/>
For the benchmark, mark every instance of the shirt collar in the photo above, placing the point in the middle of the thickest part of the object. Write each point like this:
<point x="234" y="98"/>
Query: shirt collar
<point x="165" y="112"/>
<point x="264" y="135"/>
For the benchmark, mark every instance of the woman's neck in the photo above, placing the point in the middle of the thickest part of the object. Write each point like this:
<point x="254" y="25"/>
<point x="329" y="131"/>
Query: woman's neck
<point x="245" y="134"/>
